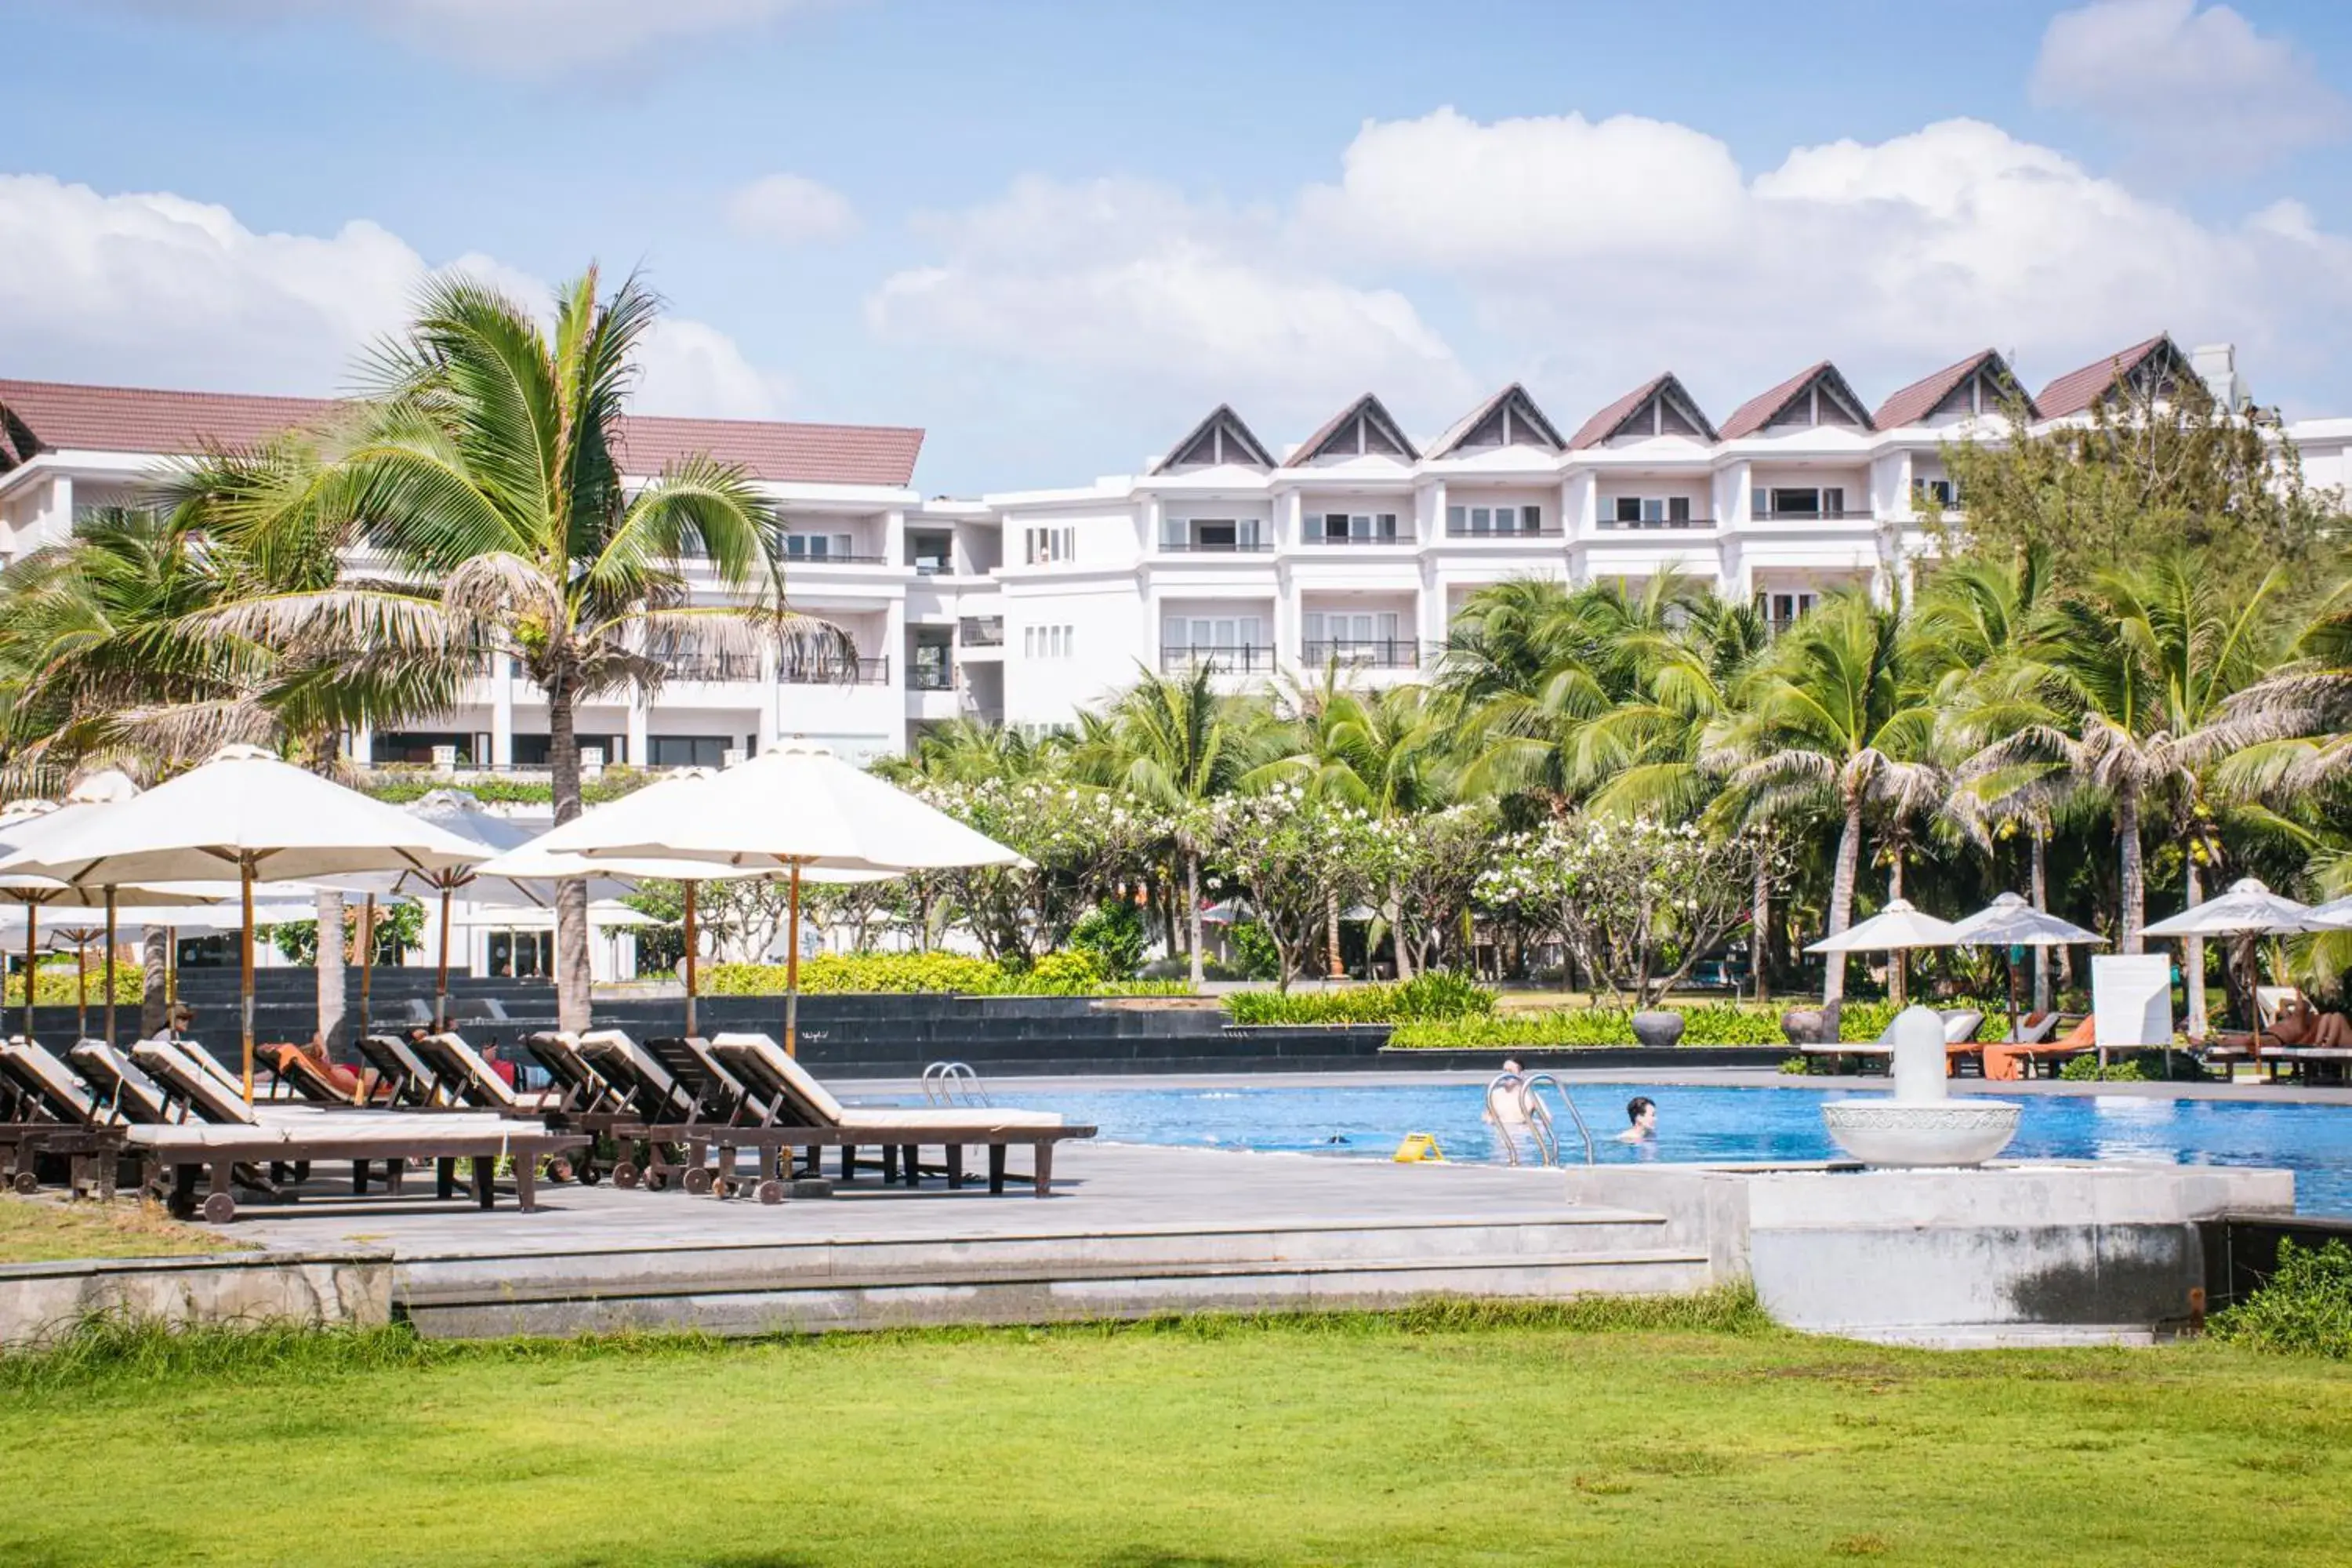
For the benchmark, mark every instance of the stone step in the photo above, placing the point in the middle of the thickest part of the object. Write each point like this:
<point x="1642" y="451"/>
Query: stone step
<point x="1066" y="1295"/>
<point x="428" y="1280"/>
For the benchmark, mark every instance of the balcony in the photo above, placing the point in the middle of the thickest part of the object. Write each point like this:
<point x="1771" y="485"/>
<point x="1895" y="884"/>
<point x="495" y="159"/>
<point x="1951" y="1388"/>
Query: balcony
<point x="1355" y="539"/>
<point x="982" y="631"/>
<point x="1215" y="547"/>
<point x="1240" y="660"/>
<point x="1817" y="514"/>
<point x="930" y="678"/>
<point x="1390" y="653"/>
<point x="1652" y="524"/>
<point x="813" y="672"/>
<point x="793" y="563"/>
<point x="712" y="667"/>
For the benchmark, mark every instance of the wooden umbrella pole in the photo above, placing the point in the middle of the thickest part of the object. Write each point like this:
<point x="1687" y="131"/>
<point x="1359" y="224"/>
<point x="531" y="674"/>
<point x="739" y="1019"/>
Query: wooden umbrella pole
<point x="367" y="956"/>
<point x="245" y="966"/>
<point x="170" y="974"/>
<point x="32" y="957"/>
<point x="441" y="986"/>
<point x="792" y="970"/>
<point x="109" y="963"/>
<point x="81" y="983"/>
<point x="693" y="941"/>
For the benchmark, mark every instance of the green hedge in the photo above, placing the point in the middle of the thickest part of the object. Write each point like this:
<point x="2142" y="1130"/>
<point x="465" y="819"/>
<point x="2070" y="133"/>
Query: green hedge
<point x="1716" y="1024"/>
<point x="1426" y="997"/>
<point x="396" y="785"/>
<point x="1056" y="974"/>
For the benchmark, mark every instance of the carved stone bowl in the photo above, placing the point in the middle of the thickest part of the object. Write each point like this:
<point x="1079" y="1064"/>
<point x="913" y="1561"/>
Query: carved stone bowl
<point x="1966" y="1132"/>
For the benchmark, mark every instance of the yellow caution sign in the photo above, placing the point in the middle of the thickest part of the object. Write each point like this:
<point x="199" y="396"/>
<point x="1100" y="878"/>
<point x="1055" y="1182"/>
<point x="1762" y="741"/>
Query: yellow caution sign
<point x="1419" y="1148"/>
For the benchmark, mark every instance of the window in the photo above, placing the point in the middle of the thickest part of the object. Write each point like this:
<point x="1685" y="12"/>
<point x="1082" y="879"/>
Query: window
<point x="1653" y="511"/>
<point x="1941" y="494"/>
<point x="1045" y="545"/>
<point x="1216" y="631"/>
<point x="818" y="546"/>
<point x="531" y="751"/>
<point x="1784" y="609"/>
<point x="1341" y="525"/>
<point x="1829" y="502"/>
<point x="1357" y="629"/>
<point x="1213" y="533"/>
<point x="522" y="954"/>
<point x="1049" y="642"/>
<point x="688" y="750"/>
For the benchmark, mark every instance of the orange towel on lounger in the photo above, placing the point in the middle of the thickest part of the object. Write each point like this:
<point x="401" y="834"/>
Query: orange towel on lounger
<point x="2007" y="1061"/>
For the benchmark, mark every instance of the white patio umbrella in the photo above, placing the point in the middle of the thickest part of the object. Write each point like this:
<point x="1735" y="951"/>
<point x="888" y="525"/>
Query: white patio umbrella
<point x="2010" y="922"/>
<point x="459" y="812"/>
<point x="2248" y="908"/>
<point x="1893" y="930"/>
<point x="247" y="812"/>
<point x="29" y="824"/>
<point x="533" y="861"/>
<point x="795" y="808"/>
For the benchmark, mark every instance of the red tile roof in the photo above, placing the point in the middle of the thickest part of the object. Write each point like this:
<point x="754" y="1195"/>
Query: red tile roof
<point x="61" y="416"/>
<point x="1914" y="402"/>
<point x="1595" y="430"/>
<point x="1753" y="415"/>
<point x="1462" y="428"/>
<point x="2078" y="389"/>
<point x="1368" y="403"/>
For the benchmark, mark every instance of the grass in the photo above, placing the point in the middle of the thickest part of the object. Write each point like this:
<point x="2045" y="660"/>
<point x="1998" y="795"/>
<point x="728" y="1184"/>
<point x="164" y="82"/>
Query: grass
<point x="48" y="1230"/>
<point x="1685" y="1432"/>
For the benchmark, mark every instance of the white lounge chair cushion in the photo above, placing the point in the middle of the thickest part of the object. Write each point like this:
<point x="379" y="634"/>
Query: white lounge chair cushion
<point x="104" y="1061"/>
<point x="396" y="1135"/>
<point x="612" y="1043"/>
<point x="1960" y="1026"/>
<point x="59" y="1081"/>
<point x="213" y="1100"/>
<point x="486" y="1077"/>
<point x="831" y="1112"/>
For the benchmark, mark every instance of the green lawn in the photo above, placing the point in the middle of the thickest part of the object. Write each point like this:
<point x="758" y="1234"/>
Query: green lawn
<point x="1341" y="1440"/>
<point x="48" y="1230"/>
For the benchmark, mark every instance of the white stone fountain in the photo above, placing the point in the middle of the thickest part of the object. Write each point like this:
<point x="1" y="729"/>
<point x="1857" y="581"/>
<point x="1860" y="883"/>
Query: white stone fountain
<point x="1921" y="1123"/>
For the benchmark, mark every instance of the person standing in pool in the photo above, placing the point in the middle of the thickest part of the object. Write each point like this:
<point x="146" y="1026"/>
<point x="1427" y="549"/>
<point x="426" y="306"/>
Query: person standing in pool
<point x="1642" y="1112"/>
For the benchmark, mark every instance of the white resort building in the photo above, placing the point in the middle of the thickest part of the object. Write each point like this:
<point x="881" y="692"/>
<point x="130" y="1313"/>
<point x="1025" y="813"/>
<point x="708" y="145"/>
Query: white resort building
<point x="1357" y="543"/>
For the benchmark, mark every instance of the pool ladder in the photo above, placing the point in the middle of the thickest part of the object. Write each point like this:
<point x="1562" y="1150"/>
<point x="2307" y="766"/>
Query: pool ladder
<point x="952" y="1083"/>
<point x="1533" y="1117"/>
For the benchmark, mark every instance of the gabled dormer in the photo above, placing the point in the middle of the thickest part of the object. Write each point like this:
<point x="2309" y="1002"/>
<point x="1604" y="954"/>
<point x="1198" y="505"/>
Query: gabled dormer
<point x="1978" y="385"/>
<point x="1817" y="397"/>
<point x="2150" y="370"/>
<point x="1362" y="429"/>
<point x="1509" y="418"/>
<point x="1659" y="407"/>
<point x="1220" y="441"/>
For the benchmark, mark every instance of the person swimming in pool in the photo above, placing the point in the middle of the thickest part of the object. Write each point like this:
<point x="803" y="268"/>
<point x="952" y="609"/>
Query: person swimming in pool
<point x="1642" y="1112"/>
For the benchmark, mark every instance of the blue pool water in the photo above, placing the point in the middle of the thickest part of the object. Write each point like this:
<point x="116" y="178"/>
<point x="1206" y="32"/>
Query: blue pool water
<point x="2314" y="1141"/>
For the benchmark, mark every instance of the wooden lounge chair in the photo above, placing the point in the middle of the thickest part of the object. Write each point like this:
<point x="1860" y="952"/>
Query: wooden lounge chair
<point x="230" y="1131"/>
<point x="463" y="1078"/>
<point x="583" y="1087"/>
<point x="293" y="1069"/>
<point x="55" y="1115"/>
<point x="400" y="1078"/>
<point x="2012" y="1061"/>
<point x="795" y="1096"/>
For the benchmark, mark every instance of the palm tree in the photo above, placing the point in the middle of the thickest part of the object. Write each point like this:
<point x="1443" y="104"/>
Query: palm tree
<point x="1177" y="742"/>
<point x="483" y="468"/>
<point x="2133" y="677"/>
<point x="1835" y="715"/>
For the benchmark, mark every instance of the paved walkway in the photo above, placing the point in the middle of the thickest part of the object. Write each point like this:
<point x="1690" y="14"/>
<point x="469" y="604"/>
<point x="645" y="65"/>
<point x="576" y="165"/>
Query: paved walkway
<point x="1099" y="1188"/>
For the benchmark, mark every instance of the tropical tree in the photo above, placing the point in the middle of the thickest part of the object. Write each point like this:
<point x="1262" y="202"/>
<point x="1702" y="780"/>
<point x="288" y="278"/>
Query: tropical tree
<point x="1835" y="717"/>
<point x="483" y="465"/>
<point x="1176" y="744"/>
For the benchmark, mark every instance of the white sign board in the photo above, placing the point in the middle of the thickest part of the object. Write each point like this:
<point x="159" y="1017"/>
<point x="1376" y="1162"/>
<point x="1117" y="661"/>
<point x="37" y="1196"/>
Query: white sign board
<point x="2131" y="998"/>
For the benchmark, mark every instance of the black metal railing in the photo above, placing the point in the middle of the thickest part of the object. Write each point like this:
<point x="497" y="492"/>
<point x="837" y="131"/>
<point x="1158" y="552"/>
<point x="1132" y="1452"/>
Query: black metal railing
<point x="836" y="558"/>
<point x="1630" y="523"/>
<point x="1466" y="532"/>
<point x="981" y="632"/>
<point x="1215" y="546"/>
<point x="1375" y="653"/>
<point x="819" y="672"/>
<point x="930" y="678"/>
<point x="1820" y="514"/>
<point x="1219" y="661"/>
<point x="1357" y="538"/>
<point x="712" y="667"/>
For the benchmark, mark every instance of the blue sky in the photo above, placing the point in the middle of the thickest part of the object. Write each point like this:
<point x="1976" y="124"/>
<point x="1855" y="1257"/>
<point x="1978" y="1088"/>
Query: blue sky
<point x="1054" y="234"/>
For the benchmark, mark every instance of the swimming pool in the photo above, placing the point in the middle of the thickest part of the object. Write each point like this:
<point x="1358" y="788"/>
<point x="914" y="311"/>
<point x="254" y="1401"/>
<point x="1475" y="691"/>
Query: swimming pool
<point x="2314" y="1141"/>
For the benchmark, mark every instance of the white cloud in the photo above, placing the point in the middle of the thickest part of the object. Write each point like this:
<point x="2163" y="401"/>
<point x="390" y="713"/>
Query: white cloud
<point x="515" y="37"/>
<point x="154" y="290"/>
<point x="1131" y="285"/>
<point x="792" y="209"/>
<point x="2198" y="85"/>
<point x="1894" y="257"/>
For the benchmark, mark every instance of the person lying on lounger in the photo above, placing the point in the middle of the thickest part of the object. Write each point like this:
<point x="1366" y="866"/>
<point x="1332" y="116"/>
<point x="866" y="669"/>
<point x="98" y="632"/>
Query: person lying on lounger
<point x="2300" y="1024"/>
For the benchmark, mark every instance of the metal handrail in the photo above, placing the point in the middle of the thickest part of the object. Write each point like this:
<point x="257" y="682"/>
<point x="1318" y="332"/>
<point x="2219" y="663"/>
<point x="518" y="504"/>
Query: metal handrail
<point x="1538" y="1116"/>
<point x="941" y="1080"/>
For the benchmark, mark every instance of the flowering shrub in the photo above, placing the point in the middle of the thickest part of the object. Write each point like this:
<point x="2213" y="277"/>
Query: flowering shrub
<point x="1080" y="842"/>
<point x="1635" y="901"/>
<point x="1293" y="856"/>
